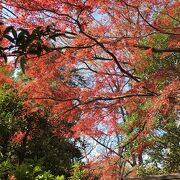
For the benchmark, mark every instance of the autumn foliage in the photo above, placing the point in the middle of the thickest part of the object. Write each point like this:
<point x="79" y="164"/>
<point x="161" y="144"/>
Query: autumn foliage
<point x="104" y="69"/>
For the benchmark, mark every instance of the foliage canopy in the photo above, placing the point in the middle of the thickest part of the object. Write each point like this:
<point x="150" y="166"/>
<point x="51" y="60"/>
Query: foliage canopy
<point x="105" y="70"/>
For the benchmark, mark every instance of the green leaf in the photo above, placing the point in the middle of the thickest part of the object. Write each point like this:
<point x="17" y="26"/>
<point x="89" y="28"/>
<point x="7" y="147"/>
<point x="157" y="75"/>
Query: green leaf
<point x="9" y="38"/>
<point x="60" y="178"/>
<point x="7" y="30"/>
<point x="54" y="36"/>
<point x="17" y="52"/>
<point x="33" y="49"/>
<point x="14" y="33"/>
<point x="20" y="38"/>
<point x="5" y="57"/>
<point x="16" y="60"/>
<point x="25" y="31"/>
<point x="39" y="48"/>
<point x="37" y="31"/>
<point x="37" y="169"/>
<point x="22" y="63"/>
<point x="46" y="48"/>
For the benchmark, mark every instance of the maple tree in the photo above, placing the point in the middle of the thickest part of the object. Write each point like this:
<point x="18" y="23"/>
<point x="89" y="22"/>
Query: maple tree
<point x="109" y="69"/>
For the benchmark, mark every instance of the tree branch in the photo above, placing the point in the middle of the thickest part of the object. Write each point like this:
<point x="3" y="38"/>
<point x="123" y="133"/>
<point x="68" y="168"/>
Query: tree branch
<point x="156" y="50"/>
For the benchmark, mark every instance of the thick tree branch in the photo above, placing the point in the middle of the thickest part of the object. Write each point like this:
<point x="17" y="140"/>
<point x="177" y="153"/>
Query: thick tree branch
<point x="108" y="52"/>
<point x="157" y="50"/>
<point x="111" y="150"/>
<point x="94" y="98"/>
